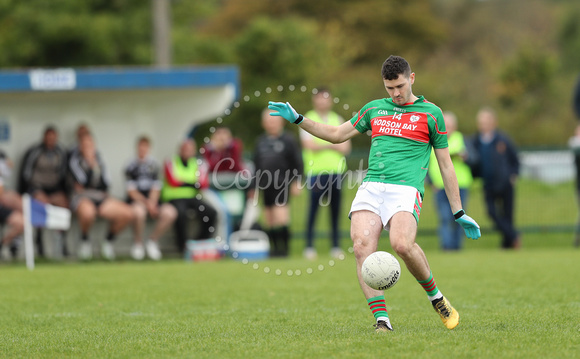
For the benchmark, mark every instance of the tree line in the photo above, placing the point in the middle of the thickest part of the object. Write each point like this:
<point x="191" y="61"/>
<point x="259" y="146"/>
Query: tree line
<point x="518" y="56"/>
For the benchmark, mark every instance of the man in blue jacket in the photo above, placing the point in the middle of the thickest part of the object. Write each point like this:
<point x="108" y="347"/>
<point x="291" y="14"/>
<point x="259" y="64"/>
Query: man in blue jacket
<point x="574" y="143"/>
<point x="498" y="166"/>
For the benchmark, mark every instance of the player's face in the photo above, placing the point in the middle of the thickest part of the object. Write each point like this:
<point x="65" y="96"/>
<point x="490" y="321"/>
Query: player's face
<point x="400" y="88"/>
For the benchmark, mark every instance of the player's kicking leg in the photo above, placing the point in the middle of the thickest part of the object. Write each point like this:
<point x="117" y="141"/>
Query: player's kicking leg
<point x="403" y="230"/>
<point x="365" y="230"/>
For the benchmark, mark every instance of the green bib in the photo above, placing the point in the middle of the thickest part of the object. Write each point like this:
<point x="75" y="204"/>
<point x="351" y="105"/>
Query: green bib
<point x="325" y="161"/>
<point x="462" y="170"/>
<point x="183" y="174"/>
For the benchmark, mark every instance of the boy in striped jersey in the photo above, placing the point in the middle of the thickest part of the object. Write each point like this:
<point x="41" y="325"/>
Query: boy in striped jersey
<point x="143" y="191"/>
<point x="91" y="199"/>
<point x="404" y="129"/>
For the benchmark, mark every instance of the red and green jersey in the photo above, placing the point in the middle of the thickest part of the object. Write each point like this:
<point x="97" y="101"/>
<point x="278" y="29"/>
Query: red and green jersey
<point x="402" y="137"/>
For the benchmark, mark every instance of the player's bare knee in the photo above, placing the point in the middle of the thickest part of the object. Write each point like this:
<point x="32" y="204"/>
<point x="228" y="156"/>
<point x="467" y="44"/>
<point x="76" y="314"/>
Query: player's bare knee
<point x="360" y="251"/>
<point x="362" y="246"/>
<point x="401" y="247"/>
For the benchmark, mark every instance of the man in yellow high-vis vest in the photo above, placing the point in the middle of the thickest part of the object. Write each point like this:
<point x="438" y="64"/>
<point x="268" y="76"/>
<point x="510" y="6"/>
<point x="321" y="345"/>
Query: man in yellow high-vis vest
<point x="184" y="178"/>
<point x="324" y="164"/>
<point x="450" y="232"/>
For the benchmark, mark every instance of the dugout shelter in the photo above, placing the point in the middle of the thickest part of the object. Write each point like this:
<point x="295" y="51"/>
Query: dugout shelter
<point x="118" y="105"/>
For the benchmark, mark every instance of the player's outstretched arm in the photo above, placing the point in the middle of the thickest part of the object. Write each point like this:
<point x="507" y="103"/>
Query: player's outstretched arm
<point x="333" y="134"/>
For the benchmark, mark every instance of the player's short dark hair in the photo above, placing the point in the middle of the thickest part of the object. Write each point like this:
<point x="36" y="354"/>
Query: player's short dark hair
<point x="395" y="66"/>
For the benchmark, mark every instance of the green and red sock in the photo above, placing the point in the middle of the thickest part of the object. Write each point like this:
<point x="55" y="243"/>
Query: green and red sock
<point x="378" y="306"/>
<point x="430" y="288"/>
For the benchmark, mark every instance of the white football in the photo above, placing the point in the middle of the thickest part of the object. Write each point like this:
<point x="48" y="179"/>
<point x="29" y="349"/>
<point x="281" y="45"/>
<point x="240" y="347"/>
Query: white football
<point x="381" y="270"/>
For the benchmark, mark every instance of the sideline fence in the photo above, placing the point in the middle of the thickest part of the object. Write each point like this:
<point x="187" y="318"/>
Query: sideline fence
<point x="545" y="200"/>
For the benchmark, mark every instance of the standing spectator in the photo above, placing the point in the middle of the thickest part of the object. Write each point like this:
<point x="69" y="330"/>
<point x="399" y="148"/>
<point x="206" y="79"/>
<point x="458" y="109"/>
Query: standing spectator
<point x="574" y="143"/>
<point x="450" y="232"/>
<point x="184" y="178"/>
<point x="324" y="163"/>
<point x="143" y="189"/>
<point x="223" y="153"/>
<point x="576" y="100"/>
<point x="43" y="177"/>
<point x="90" y="198"/>
<point x="575" y="146"/>
<point x="278" y="162"/>
<point x="498" y="166"/>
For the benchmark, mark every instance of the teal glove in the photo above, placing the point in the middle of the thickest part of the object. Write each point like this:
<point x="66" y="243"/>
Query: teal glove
<point x="470" y="226"/>
<point x="286" y="111"/>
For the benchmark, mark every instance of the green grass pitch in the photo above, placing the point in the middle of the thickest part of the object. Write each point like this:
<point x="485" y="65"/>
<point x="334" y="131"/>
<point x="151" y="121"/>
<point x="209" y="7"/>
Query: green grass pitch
<point x="522" y="304"/>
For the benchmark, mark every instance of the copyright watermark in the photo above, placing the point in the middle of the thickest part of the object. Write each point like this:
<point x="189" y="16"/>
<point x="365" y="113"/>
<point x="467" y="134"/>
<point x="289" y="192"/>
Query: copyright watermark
<point x="281" y="180"/>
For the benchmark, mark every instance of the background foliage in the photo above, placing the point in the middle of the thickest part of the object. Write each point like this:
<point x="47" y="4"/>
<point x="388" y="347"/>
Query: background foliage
<point x="520" y="56"/>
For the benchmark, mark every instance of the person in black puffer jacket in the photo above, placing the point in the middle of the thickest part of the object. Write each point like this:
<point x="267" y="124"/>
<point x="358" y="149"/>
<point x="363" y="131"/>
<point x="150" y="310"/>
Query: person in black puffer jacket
<point x="498" y="166"/>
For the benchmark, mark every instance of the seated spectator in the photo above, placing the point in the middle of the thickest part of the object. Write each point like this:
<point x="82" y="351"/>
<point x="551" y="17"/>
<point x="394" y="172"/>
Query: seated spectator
<point x="183" y="180"/>
<point x="143" y="189"/>
<point x="91" y="199"/>
<point x="82" y="129"/>
<point x="223" y="153"/>
<point x="43" y="170"/>
<point x="43" y="176"/>
<point x="14" y="220"/>
<point x="8" y="198"/>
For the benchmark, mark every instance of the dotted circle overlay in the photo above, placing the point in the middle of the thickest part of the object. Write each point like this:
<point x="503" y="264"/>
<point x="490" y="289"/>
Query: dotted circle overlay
<point x="269" y="90"/>
<point x="295" y="272"/>
<point x="245" y="261"/>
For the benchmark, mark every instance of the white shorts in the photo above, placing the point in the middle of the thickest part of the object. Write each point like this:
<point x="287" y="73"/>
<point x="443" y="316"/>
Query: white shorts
<point x="386" y="199"/>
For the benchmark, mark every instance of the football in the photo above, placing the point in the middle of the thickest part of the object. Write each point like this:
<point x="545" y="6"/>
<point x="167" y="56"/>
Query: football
<point x="381" y="270"/>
